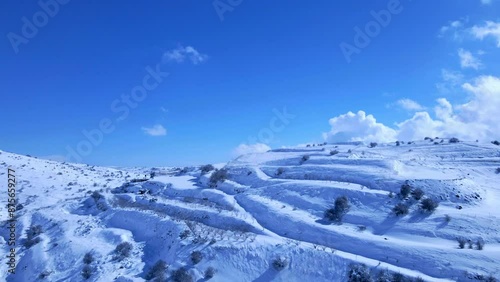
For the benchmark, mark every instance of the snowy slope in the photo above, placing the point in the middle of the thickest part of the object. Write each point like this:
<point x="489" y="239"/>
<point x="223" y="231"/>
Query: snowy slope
<point x="271" y="206"/>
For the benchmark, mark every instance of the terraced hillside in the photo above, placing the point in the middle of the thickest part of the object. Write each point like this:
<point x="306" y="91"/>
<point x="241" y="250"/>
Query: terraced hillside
<point x="261" y="217"/>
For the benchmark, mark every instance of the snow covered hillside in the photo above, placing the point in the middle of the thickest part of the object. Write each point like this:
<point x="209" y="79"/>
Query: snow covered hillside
<point x="263" y="217"/>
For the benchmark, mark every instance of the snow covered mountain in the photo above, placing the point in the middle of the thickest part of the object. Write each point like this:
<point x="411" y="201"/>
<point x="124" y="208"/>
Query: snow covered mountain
<point x="333" y="212"/>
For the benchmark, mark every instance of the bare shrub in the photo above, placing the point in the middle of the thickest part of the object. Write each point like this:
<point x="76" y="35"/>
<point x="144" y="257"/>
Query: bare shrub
<point x="88" y="258"/>
<point x="428" y="205"/>
<point x="400" y="209"/>
<point x="181" y="275"/>
<point x="209" y="273"/>
<point x="340" y="208"/>
<point x="359" y="273"/>
<point x="480" y="244"/>
<point x="280" y="263"/>
<point x="461" y="242"/>
<point x="87" y="272"/>
<point x="280" y="171"/>
<point x="123" y="250"/>
<point x="196" y="257"/>
<point x="157" y="271"/>
<point x="219" y="175"/>
<point x="405" y="190"/>
<point x="417" y="194"/>
<point x="206" y="168"/>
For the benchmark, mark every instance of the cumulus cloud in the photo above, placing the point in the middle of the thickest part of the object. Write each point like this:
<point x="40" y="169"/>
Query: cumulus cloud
<point x="409" y="105"/>
<point x="244" y="149"/>
<point x="180" y="54"/>
<point x="489" y="29"/>
<point x="454" y="28"/>
<point x="476" y="119"/>
<point x="467" y="60"/>
<point x="156" y="130"/>
<point x="358" y="127"/>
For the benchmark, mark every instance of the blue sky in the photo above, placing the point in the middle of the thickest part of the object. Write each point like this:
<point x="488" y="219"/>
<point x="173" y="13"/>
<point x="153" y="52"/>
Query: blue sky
<point x="231" y="69"/>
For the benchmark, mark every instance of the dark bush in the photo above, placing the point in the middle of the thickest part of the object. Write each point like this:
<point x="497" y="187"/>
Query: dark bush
<point x="373" y="144"/>
<point x="497" y="170"/>
<point x="280" y="263"/>
<point x="196" y="257"/>
<point x="428" y="138"/>
<point x="461" y="242"/>
<point x="480" y="244"/>
<point x="398" y="277"/>
<point x="359" y="273"/>
<point x="405" y="190"/>
<point x="181" y="275"/>
<point x="32" y="235"/>
<point x="217" y="176"/>
<point x="44" y="274"/>
<point x="400" y="209"/>
<point x="340" y="208"/>
<point x="157" y="271"/>
<point x="454" y="140"/>
<point x="88" y="258"/>
<point x="417" y="194"/>
<point x="398" y="143"/>
<point x="96" y="195"/>
<point x="209" y="273"/>
<point x="428" y="205"/>
<point x="280" y="171"/>
<point x="495" y="143"/>
<point x="123" y="250"/>
<point x="86" y="272"/>
<point x="333" y="152"/>
<point x="447" y="218"/>
<point x="207" y="168"/>
<point x="304" y="158"/>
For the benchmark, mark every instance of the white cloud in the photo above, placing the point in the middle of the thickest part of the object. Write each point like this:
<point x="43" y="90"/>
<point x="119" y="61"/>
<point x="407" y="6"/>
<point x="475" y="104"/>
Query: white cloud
<point x="409" y="105"/>
<point x="485" y="2"/>
<point x="467" y="60"/>
<point x="244" y="149"/>
<point x="476" y="119"/>
<point x="156" y="130"/>
<point x="451" y="80"/>
<point x="358" y="127"/>
<point x="488" y="29"/>
<point x="455" y="28"/>
<point x="180" y="54"/>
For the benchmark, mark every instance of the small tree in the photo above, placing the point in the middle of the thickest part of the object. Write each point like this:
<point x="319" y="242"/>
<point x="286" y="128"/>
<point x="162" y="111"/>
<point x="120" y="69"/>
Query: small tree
<point x="400" y="209"/>
<point x="417" y="194"/>
<point x="428" y="205"/>
<point x="340" y="208"/>
<point x="157" y="271"/>
<point x="196" y="257"/>
<point x="209" y="273"/>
